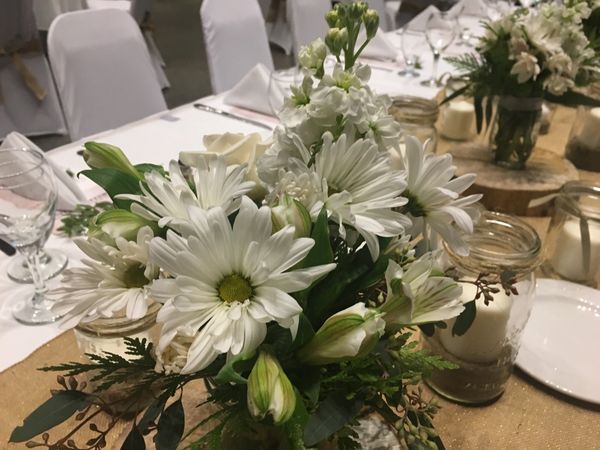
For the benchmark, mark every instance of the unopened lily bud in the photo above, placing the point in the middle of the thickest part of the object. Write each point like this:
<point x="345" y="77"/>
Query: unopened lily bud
<point x="351" y="333"/>
<point x="290" y="211"/>
<point x="270" y="391"/>
<point x="114" y="223"/>
<point x="332" y="18"/>
<point x="105" y="156"/>
<point x="371" y="21"/>
<point x="336" y="39"/>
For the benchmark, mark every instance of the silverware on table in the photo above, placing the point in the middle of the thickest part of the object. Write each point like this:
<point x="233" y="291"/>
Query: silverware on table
<point x="211" y="109"/>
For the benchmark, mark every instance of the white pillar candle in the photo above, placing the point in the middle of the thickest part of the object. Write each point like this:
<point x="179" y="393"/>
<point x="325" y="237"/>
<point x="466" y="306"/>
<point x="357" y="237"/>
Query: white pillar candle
<point x="567" y="259"/>
<point x="483" y="341"/>
<point x="458" y="120"/>
<point x="590" y="130"/>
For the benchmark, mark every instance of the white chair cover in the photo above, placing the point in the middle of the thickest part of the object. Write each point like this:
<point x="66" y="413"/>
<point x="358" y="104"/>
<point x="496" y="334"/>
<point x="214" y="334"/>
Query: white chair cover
<point x="384" y="20"/>
<point x="307" y="18"/>
<point x="235" y="39"/>
<point x="20" y="109"/>
<point x="103" y="70"/>
<point x="47" y="10"/>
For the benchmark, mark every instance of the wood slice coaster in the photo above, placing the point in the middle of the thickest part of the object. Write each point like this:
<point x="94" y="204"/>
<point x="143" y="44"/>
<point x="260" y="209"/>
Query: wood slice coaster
<point x="510" y="191"/>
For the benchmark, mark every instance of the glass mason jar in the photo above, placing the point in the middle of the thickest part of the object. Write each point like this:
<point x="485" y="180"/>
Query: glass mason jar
<point x="417" y="117"/>
<point x="515" y="130"/>
<point x="485" y="353"/>
<point x="457" y="117"/>
<point x="583" y="147"/>
<point x="572" y="245"/>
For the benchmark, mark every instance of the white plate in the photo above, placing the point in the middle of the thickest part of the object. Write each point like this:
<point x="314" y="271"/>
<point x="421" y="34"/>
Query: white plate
<point x="561" y="342"/>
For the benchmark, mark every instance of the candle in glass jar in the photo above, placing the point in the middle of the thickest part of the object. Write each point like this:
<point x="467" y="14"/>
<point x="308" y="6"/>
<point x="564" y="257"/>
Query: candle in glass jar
<point x="568" y="258"/>
<point x="98" y="345"/>
<point x="589" y="136"/>
<point x="458" y="120"/>
<point x="484" y="340"/>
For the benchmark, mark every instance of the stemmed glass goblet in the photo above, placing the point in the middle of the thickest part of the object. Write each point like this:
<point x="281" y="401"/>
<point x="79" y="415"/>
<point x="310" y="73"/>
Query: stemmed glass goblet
<point x="439" y="32"/>
<point x="27" y="208"/>
<point x="410" y="56"/>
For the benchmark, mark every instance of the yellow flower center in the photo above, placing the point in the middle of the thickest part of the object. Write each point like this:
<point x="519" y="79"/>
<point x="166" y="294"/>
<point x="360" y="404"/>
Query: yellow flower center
<point x="234" y="288"/>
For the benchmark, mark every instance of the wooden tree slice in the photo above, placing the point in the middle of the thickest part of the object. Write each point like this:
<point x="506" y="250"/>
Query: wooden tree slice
<point x="510" y="191"/>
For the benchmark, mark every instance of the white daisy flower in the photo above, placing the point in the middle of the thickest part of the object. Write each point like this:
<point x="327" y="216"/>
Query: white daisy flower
<point x="360" y="189"/>
<point x="167" y="200"/>
<point x="114" y="280"/>
<point x="434" y="196"/>
<point x="230" y="281"/>
<point x="420" y="294"/>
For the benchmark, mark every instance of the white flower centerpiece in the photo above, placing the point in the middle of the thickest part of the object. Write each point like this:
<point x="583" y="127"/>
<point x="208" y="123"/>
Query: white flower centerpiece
<point x="288" y="284"/>
<point x="530" y="55"/>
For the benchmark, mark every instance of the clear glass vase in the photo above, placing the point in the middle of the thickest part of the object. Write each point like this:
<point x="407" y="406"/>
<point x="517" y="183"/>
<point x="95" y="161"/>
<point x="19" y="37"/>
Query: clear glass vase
<point x="501" y="245"/>
<point x="515" y="130"/>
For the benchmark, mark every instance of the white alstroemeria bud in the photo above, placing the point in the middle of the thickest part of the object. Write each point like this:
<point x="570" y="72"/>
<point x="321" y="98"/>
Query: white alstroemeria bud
<point x="118" y="223"/>
<point x="290" y="211"/>
<point x="371" y="21"/>
<point x="270" y="391"/>
<point x="313" y="55"/>
<point x="105" y="156"/>
<point x="351" y="333"/>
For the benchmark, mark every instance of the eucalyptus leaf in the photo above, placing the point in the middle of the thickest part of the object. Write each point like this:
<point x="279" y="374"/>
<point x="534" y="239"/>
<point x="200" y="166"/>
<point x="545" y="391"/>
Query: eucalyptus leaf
<point x="134" y="440"/>
<point x="331" y="416"/>
<point x="52" y="412"/>
<point x="465" y="319"/>
<point x="170" y="427"/>
<point x="114" y="183"/>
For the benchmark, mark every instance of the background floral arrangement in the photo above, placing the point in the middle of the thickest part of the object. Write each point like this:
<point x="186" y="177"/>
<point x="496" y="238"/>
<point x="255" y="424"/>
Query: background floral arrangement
<point x="279" y="267"/>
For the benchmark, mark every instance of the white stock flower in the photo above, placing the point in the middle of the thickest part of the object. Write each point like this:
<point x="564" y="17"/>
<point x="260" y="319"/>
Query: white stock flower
<point x="167" y="199"/>
<point x="525" y="68"/>
<point x="360" y="189"/>
<point x="419" y="294"/>
<point x="313" y="55"/>
<point x="557" y="84"/>
<point x="434" y="196"/>
<point x="229" y="282"/>
<point x="114" y="280"/>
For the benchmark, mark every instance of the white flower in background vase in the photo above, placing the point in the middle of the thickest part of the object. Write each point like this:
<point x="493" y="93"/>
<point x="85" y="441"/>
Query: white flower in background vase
<point x="229" y="282"/>
<point x="114" y="280"/>
<point x="350" y="333"/>
<point x="526" y="67"/>
<point x="360" y="189"/>
<point x="434" y="196"/>
<point x="313" y="55"/>
<point x="167" y="199"/>
<point x="420" y="293"/>
<point x="557" y="84"/>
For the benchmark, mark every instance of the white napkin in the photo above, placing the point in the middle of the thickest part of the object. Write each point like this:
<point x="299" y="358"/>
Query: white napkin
<point x="69" y="194"/>
<point x="419" y="22"/>
<point x="380" y="47"/>
<point x="470" y="7"/>
<point x="254" y="90"/>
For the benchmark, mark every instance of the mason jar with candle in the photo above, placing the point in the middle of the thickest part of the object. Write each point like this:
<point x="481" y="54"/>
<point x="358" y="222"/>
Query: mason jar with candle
<point x="502" y="247"/>
<point x="573" y="239"/>
<point x="583" y="147"/>
<point x="457" y="120"/>
<point x="417" y="117"/>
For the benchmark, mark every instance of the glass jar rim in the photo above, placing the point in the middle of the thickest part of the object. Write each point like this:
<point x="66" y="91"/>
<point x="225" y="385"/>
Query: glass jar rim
<point x="570" y="194"/>
<point x="120" y="325"/>
<point x="37" y="161"/>
<point x="415" y="110"/>
<point x="500" y="242"/>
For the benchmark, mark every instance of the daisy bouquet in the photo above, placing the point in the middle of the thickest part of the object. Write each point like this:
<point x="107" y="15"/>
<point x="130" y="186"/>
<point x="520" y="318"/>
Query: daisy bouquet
<point x="290" y="274"/>
<point x="529" y="55"/>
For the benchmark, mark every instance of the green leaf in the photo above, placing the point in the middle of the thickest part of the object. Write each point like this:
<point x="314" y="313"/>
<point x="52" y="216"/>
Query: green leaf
<point x="321" y="253"/>
<point x="477" y="103"/>
<point x="571" y="98"/>
<point x="332" y="414"/>
<point x="489" y="104"/>
<point x="428" y="329"/>
<point x="455" y="94"/>
<point x="134" y="440"/>
<point x="309" y="383"/>
<point x="147" y="167"/>
<point x="170" y="427"/>
<point x="231" y="371"/>
<point x="153" y="411"/>
<point x="114" y="183"/>
<point x="294" y="427"/>
<point x="465" y="319"/>
<point x="52" y="412"/>
<point x="304" y="334"/>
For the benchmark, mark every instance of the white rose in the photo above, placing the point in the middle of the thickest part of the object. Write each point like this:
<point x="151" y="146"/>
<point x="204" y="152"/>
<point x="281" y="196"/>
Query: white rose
<point x="237" y="148"/>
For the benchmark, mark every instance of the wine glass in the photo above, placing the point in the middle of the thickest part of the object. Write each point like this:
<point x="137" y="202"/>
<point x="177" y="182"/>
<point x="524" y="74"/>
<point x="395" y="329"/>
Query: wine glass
<point x="440" y="32"/>
<point x="410" y="55"/>
<point x="27" y="207"/>
<point x="52" y="263"/>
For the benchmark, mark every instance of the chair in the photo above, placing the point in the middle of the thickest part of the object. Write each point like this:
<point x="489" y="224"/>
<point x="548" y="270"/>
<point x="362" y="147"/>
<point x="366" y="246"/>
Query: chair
<point x="28" y="99"/>
<point x="307" y="18"/>
<point x="235" y="40"/>
<point x="103" y="71"/>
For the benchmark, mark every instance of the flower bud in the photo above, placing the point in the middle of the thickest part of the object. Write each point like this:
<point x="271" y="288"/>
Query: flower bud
<point x="371" y="21"/>
<point x="270" y="391"/>
<point x="105" y="156"/>
<point x="332" y="18"/>
<point x="313" y="55"/>
<point x="351" y="333"/>
<point x="336" y="39"/>
<point x="114" y="223"/>
<point x="290" y="211"/>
